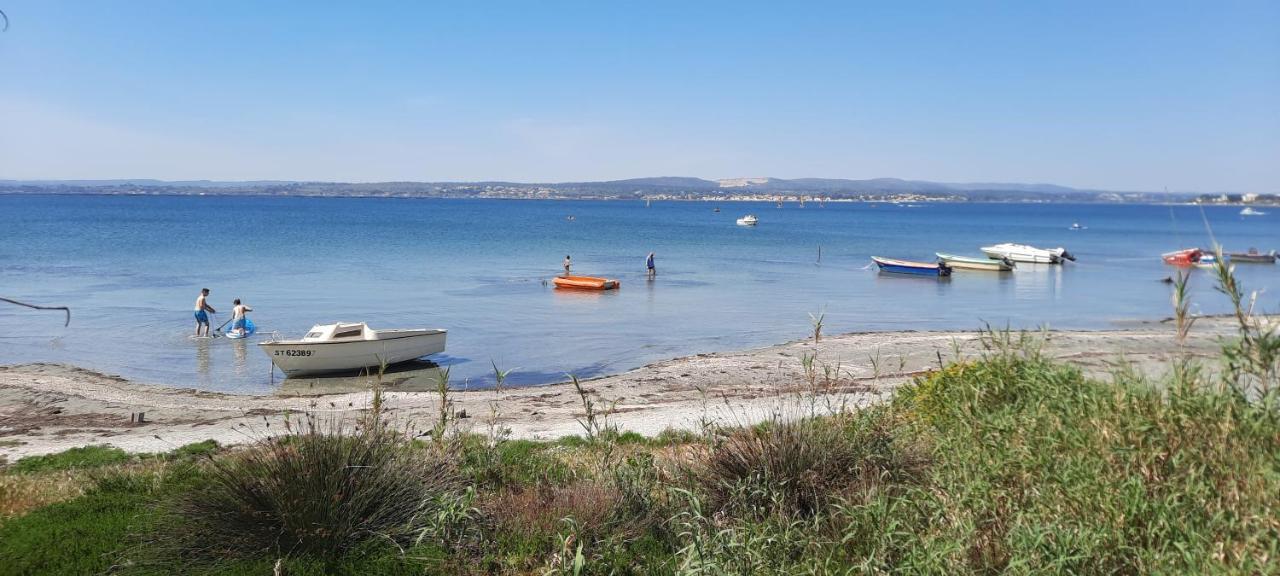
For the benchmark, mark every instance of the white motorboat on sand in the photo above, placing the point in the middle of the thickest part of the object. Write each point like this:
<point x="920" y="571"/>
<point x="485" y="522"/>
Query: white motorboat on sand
<point x="346" y="346"/>
<point x="1024" y="253"/>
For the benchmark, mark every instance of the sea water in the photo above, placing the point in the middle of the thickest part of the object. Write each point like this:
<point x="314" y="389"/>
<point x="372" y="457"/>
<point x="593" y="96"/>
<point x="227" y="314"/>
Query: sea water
<point x="130" y="268"/>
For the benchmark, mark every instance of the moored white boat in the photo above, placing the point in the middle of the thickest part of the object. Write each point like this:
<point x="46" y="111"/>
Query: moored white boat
<point x="1249" y="211"/>
<point x="1030" y="254"/>
<point x="748" y="220"/>
<point x="967" y="263"/>
<point x="351" y="346"/>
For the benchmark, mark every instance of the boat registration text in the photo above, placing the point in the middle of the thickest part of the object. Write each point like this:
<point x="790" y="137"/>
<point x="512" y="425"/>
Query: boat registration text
<point x="293" y="352"/>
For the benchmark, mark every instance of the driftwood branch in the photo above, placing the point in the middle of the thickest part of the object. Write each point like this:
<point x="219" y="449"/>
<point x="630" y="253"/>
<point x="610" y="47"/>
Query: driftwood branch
<point x="63" y="308"/>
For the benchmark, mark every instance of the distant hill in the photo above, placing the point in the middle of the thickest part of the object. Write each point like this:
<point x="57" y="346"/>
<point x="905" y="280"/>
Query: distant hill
<point x="671" y="187"/>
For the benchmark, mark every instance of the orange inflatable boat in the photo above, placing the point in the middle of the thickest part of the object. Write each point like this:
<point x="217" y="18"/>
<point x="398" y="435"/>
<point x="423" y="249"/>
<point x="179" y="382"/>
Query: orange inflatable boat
<point x="585" y="283"/>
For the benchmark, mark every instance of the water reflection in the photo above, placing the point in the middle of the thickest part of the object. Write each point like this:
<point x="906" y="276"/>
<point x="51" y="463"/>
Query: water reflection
<point x="241" y="363"/>
<point x="412" y="376"/>
<point x="1038" y="281"/>
<point x="202" y="356"/>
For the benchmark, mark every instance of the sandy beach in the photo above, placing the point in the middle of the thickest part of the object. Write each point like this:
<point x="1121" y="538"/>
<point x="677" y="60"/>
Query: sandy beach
<point x="47" y="408"/>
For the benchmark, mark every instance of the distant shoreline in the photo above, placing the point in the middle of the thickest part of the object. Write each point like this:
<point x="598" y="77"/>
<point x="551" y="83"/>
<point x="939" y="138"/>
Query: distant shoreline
<point x="789" y="200"/>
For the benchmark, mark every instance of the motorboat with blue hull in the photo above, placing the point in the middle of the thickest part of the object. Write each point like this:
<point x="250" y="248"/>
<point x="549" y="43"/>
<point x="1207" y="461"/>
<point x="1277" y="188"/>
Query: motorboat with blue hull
<point x="893" y="266"/>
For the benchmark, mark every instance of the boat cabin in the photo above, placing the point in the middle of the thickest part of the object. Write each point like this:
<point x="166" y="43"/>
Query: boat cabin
<point x="337" y="332"/>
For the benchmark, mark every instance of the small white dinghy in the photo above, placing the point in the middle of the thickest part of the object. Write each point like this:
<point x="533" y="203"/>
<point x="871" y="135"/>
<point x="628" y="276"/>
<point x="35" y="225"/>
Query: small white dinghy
<point x="351" y="346"/>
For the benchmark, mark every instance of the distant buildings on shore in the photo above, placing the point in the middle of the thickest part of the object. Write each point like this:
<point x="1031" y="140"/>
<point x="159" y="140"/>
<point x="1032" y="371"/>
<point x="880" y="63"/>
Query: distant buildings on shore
<point x="1261" y="199"/>
<point x="651" y="189"/>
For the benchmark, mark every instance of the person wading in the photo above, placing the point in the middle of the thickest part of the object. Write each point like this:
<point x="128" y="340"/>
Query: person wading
<point x="203" y="309"/>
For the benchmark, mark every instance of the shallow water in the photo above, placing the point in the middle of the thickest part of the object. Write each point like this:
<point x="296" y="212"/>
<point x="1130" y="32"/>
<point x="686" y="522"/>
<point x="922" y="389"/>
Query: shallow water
<point x="130" y="267"/>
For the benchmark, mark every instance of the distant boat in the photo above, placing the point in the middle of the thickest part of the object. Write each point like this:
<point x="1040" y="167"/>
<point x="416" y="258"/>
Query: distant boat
<point x="351" y="346"/>
<point x="1030" y="254"/>
<point x="748" y="220"/>
<point x="909" y="267"/>
<point x="717" y="209"/>
<point x="585" y="283"/>
<point x="1077" y="226"/>
<point x="1253" y="257"/>
<point x="1249" y="211"/>
<point x="569" y="218"/>
<point x="1184" y="257"/>
<point x="967" y="263"/>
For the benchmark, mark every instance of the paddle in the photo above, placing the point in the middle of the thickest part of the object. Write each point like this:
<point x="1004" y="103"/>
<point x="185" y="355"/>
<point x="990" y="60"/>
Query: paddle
<point x="217" y="332"/>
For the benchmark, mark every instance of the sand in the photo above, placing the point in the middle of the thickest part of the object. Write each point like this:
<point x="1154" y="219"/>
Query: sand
<point x="47" y="408"/>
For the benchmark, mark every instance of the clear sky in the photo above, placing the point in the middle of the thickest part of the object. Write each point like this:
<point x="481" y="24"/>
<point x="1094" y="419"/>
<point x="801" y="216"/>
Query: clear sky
<point x="1121" y="95"/>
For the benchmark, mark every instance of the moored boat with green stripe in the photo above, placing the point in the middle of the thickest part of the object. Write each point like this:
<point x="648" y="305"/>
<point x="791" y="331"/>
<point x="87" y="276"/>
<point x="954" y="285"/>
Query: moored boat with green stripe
<point x="970" y="263"/>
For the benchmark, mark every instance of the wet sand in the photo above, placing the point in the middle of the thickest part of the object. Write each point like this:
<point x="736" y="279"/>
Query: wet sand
<point x="47" y="408"/>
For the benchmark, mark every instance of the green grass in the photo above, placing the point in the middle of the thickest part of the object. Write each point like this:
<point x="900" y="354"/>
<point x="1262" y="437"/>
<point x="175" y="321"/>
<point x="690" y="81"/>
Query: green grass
<point x="75" y="458"/>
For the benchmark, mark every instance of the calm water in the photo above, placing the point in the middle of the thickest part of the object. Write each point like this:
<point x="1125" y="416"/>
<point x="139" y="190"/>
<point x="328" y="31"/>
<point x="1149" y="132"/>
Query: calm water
<point x="130" y="268"/>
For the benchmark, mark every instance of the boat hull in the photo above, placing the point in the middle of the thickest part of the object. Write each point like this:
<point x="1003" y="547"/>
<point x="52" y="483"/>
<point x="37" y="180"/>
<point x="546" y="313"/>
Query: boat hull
<point x="296" y="358"/>
<point x="1029" y="256"/>
<point x="1253" y="258"/>
<point x="892" y="266"/>
<point x="966" y="263"/>
<point x="1186" y="257"/>
<point x="585" y="283"/>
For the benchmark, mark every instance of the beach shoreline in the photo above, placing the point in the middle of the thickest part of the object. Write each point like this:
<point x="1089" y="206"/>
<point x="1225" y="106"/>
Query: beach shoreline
<point x="47" y="408"/>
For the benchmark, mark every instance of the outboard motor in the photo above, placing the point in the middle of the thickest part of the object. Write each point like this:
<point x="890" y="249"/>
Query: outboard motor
<point x="1068" y="255"/>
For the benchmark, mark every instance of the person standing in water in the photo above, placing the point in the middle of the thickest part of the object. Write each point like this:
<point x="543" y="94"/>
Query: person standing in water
<point x="203" y="309"/>
<point x="567" y="262"/>
<point x="649" y="263"/>
<point x="238" y="317"/>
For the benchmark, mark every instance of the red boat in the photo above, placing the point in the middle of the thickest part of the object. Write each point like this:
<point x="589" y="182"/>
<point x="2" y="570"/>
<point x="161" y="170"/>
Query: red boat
<point x="1185" y="257"/>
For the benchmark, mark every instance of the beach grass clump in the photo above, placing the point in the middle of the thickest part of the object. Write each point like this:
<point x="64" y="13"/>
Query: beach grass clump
<point x="793" y="469"/>
<point x="512" y="464"/>
<point x="320" y="491"/>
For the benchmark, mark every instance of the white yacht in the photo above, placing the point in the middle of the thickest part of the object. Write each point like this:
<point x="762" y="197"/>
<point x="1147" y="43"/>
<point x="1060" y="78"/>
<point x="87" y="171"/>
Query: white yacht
<point x="1024" y="253"/>
<point x="350" y="346"/>
<point x="1249" y="211"/>
<point x="748" y="220"/>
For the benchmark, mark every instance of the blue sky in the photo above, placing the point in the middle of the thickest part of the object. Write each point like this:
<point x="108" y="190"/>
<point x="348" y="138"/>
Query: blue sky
<point x="1116" y="95"/>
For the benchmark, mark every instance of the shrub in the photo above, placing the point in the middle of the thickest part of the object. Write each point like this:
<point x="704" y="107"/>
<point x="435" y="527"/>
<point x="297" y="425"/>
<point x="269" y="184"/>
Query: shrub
<point x="316" y="491"/>
<point x="794" y="468"/>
